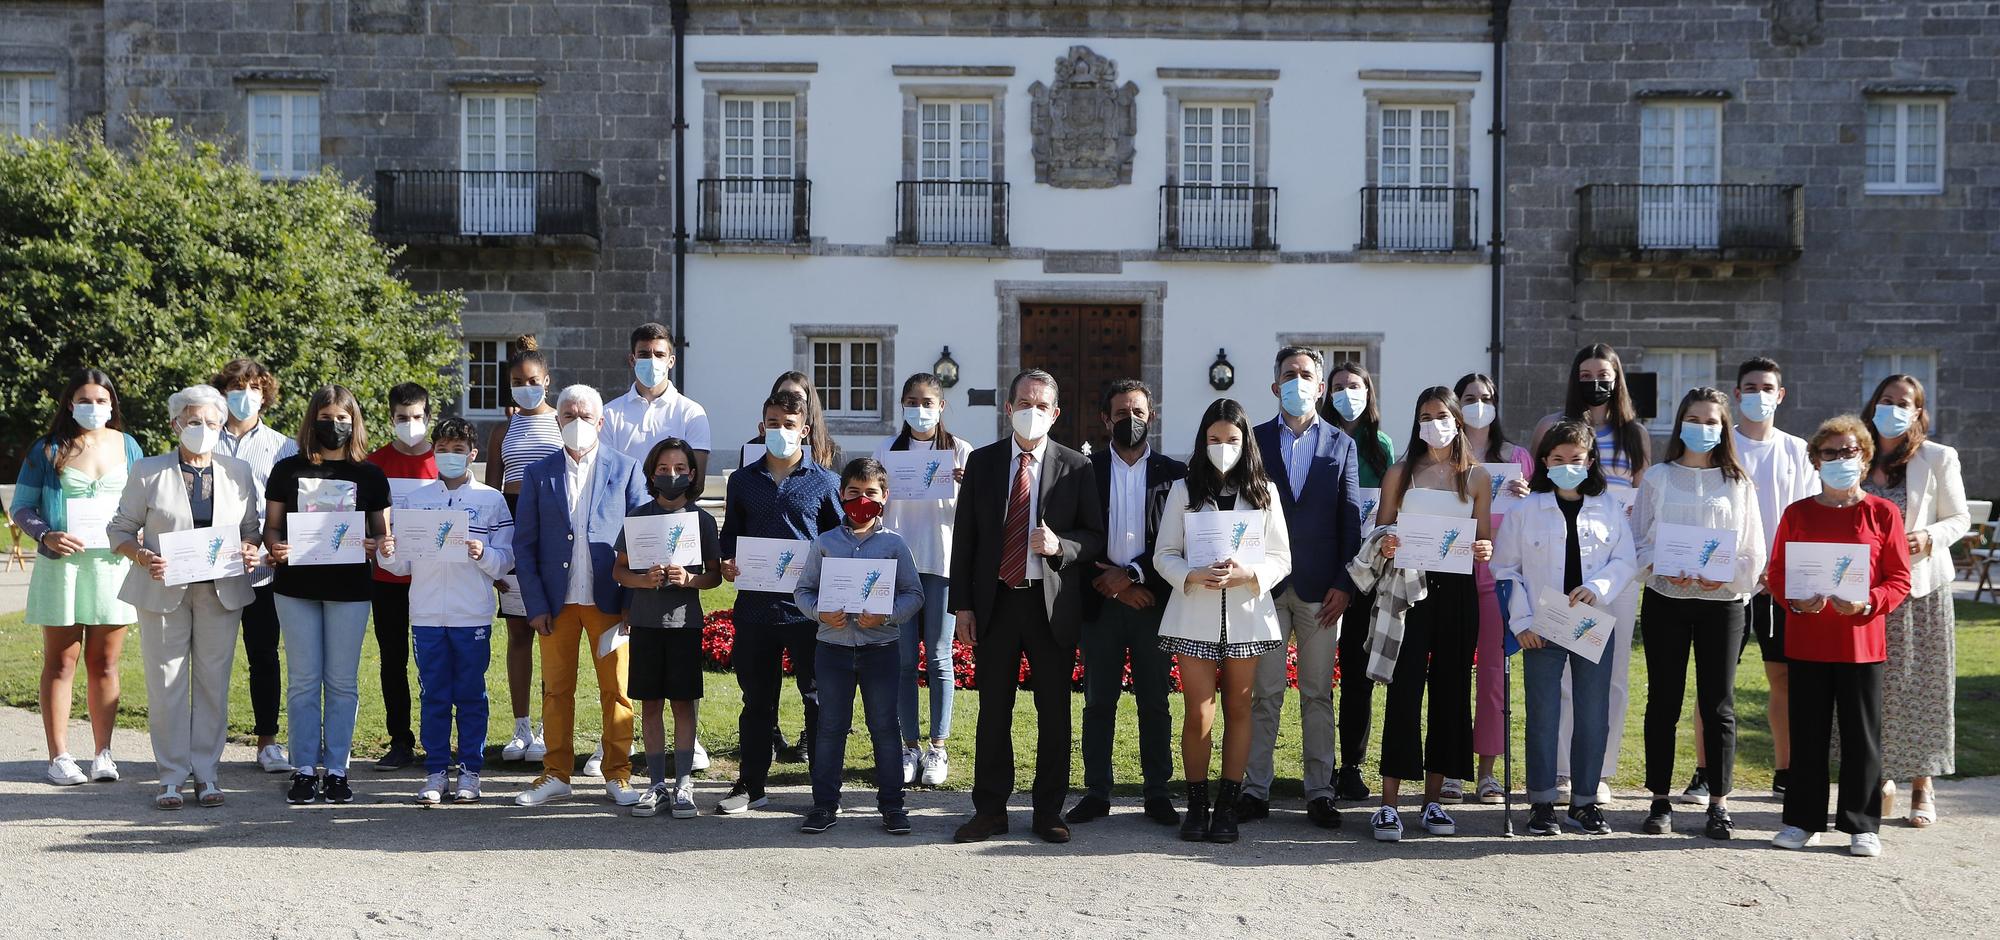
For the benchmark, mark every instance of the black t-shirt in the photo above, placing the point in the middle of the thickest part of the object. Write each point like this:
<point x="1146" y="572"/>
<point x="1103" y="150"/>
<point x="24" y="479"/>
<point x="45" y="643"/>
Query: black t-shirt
<point x="1572" y="551"/>
<point x="336" y="485"/>
<point x="668" y="606"/>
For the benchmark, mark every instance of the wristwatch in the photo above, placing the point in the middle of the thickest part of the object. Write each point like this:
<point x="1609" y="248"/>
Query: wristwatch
<point x="1132" y="571"/>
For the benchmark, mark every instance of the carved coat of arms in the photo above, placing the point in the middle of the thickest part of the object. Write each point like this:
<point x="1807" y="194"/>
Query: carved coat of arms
<point x="1083" y="124"/>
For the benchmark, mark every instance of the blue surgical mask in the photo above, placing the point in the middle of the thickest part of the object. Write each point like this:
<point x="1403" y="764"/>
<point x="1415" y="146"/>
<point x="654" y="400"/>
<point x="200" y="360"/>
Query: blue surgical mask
<point x="92" y="415"/>
<point x="1349" y="402"/>
<point x="244" y="403"/>
<point x="920" y="420"/>
<point x="452" y="466"/>
<point x="529" y="397"/>
<point x="1569" y="476"/>
<point x="1893" y="421"/>
<point x="1297" y="395"/>
<point x="1840" y="474"/>
<point x="1758" y="406"/>
<point x="1701" y="438"/>
<point x="782" y="443"/>
<point x="650" y="371"/>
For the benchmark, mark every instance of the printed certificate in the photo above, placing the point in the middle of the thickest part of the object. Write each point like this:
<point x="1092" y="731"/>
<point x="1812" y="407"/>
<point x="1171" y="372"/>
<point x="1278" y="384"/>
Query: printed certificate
<point x="1583" y="629"/>
<point x="1838" y="569"/>
<point x="672" y="539"/>
<point x="769" y="564"/>
<point x="858" y="585"/>
<point x="1694" y="551"/>
<point x="203" y="554"/>
<point x="921" y="474"/>
<point x="1213" y="536"/>
<point x="1435" y="543"/>
<point x="89" y="517"/>
<point x="431" y="534"/>
<point x="326" y="538"/>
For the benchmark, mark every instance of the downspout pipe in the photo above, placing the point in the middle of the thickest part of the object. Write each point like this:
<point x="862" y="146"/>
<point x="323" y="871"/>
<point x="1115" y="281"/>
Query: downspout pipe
<point x="1497" y="245"/>
<point x="678" y="14"/>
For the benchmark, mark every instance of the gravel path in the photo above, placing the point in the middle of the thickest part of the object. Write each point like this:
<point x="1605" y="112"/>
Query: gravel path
<point x="100" y="855"/>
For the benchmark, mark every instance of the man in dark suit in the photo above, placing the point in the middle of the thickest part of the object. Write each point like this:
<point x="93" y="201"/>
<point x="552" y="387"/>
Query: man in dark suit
<point x="1028" y="524"/>
<point x="1123" y="608"/>
<point x="1314" y="466"/>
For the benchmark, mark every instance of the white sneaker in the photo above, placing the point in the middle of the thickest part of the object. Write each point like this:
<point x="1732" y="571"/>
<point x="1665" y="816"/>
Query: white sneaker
<point x="1866" y="845"/>
<point x="1489" y="790"/>
<point x="594" y="767"/>
<point x="516" y="747"/>
<point x="433" y="792"/>
<point x="911" y="759"/>
<point x="104" y="769"/>
<point x="1562" y="791"/>
<point x="272" y="760"/>
<point x="468" y="789"/>
<point x="1792" y="837"/>
<point x="1437" y="822"/>
<point x="684" y="807"/>
<point x="64" y="772"/>
<point x="621" y="792"/>
<point x="1388" y="825"/>
<point x="936" y="766"/>
<point x="545" y="788"/>
<point x="1453" y="791"/>
<point x="1603" y="793"/>
<point x="537" y="748"/>
<point x="700" y="762"/>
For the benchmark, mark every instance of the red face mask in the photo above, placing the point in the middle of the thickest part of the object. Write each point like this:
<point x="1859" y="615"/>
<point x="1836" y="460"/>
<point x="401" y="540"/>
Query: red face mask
<point x="861" y="510"/>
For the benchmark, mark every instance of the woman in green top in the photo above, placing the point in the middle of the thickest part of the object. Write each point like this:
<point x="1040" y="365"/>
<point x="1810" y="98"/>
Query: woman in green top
<point x="1351" y="404"/>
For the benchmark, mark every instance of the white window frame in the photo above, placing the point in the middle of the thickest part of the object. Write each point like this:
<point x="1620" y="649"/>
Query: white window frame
<point x="1407" y="219"/>
<point x="1878" y="364"/>
<point x="298" y="136"/>
<point x="763" y="146"/>
<point x="498" y="364"/>
<point x="1674" y="379"/>
<point x="504" y="205"/>
<point x="1681" y="217"/>
<point x="967" y="155"/>
<point x="1214" y="164"/>
<point x="1900" y="183"/>
<point x="19" y="91"/>
<point x="838" y="381"/>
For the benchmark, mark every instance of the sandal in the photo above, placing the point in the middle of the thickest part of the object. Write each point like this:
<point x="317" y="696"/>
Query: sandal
<point x="208" y="794"/>
<point x="1888" y="799"/>
<point x="169" y="798"/>
<point x="1923" y="808"/>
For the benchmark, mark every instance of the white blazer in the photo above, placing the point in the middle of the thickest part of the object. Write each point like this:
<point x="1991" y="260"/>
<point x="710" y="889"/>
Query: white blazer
<point x="1936" y="505"/>
<point x="1529" y="551"/>
<point x="1194" y="613"/>
<point x="156" y="501"/>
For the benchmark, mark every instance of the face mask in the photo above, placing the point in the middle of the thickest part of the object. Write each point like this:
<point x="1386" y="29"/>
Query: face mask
<point x="1297" y="396"/>
<point x="452" y="466"/>
<point x="1033" y="423"/>
<point x="782" y="443"/>
<point x="1130" y="432"/>
<point x="244" y="403"/>
<point x="92" y="415"/>
<point x="1349" y="402"/>
<point x="1569" y="476"/>
<point x="1479" y="414"/>
<point x="920" y="420"/>
<point x="200" y="438"/>
<point x="1224" y="456"/>
<point x="580" y="434"/>
<point x="1701" y="438"/>
<point x="860" y="511"/>
<point x="671" y="485"/>
<point x="1893" y="421"/>
<point x="1438" y="433"/>
<point x="411" y="433"/>
<point x="650" y="372"/>
<point x="529" y="397"/>
<point x="1840" y="474"/>
<point x="331" y="435"/>
<point x="1595" y="391"/>
<point x="1758" y="406"/>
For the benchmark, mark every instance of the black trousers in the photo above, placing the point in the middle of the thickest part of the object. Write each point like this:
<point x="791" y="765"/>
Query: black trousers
<point x="392" y="635"/>
<point x="1439" y="635"/>
<point x="260" y="648"/>
<point x="1820" y="692"/>
<point x="1357" y="691"/>
<point x="1714" y="630"/>
<point x="1021" y="625"/>
<point x="758" y="657"/>
<point x="1119" y="632"/>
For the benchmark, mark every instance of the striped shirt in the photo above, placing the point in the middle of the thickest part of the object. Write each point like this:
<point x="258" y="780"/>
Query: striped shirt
<point x="1616" y="464"/>
<point x="529" y="438"/>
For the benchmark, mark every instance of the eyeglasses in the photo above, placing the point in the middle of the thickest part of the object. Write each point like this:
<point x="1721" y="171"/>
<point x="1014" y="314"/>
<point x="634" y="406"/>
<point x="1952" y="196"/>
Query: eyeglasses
<point x="1845" y="453"/>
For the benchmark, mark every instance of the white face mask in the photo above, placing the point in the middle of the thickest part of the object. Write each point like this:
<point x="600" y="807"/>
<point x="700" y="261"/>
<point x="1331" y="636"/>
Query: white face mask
<point x="529" y="397"/>
<point x="1438" y="433"/>
<point x="1479" y="414"/>
<point x="921" y="420"/>
<point x="1033" y="423"/>
<point x="411" y="433"/>
<point x="1758" y="406"/>
<point x="1349" y="402"/>
<point x="1223" y="457"/>
<point x="244" y="403"/>
<point x="200" y="438"/>
<point x="580" y="434"/>
<point x="90" y="415"/>
<point x="782" y="443"/>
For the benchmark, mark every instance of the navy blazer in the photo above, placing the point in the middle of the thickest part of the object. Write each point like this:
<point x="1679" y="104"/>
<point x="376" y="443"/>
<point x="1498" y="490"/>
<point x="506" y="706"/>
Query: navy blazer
<point x="1325" y="520"/>
<point x="1161" y="472"/>
<point x="542" y="536"/>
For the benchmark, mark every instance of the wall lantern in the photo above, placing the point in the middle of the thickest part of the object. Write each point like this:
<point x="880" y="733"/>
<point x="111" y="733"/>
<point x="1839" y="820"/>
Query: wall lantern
<point x="1221" y="375"/>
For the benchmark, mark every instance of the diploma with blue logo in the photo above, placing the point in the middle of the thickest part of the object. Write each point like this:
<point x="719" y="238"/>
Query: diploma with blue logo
<point x="921" y="474"/>
<point x="1582" y="629"/>
<point x="672" y="539"/>
<point x="326" y="538"/>
<point x="770" y="564"/>
<point x="1371" y="500"/>
<point x="1819" y="569"/>
<point x="858" y="585"/>
<point x="204" y="554"/>
<point x="1503" y="473"/>
<point x="1435" y="543"/>
<point x="1214" y="535"/>
<point x="1694" y="551"/>
<point x="430" y="534"/>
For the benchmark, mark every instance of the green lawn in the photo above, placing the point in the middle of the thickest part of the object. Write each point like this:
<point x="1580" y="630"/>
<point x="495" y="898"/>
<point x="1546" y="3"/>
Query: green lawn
<point x="1978" y="711"/>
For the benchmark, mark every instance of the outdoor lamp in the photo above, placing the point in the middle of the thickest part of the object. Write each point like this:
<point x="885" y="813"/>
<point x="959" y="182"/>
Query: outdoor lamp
<point x="1221" y="375"/>
<point x="946" y="369"/>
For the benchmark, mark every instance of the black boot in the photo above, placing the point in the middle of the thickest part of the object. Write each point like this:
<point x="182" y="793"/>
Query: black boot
<point x="1194" y="825"/>
<point x="1222" y="820"/>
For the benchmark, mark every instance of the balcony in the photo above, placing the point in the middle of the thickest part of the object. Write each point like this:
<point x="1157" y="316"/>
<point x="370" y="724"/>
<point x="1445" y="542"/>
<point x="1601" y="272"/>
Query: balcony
<point x="951" y="212"/>
<point x="426" y="204"/>
<point x="1702" y="230"/>
<point x="771" y="210"/>
<point x="1202" y="217"/>
<point x="1419" y="218"/>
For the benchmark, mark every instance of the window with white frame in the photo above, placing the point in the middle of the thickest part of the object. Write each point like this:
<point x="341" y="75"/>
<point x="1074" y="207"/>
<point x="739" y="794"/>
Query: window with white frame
<point x="284" y="133"/>
<point x="28" y="105"/>
<point x="497" y="148"/>
<point x="757" y="137"/>
<point x="847" y="372"/>
<point x="1905" y="145"/>
<point x="486" y="391"/>
<point x="1680" y="163"/>
<point x="1216" y="143"/>
<point x="1880" y="364"/>
<point x="955" y="139"/>
<point x="1332" y="356"/>
<point x="1414" y="206"/>
<point x="1676" y="371"/>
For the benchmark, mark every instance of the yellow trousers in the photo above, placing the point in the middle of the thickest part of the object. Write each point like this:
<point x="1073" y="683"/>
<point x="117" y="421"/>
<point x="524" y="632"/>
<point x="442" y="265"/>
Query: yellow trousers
<point x="584" y="623"/>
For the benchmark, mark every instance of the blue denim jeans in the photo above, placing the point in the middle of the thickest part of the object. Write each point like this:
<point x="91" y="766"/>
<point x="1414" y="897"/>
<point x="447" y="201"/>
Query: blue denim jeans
<point x="839" y="671"/>
<point x="451" y="679"/>
<point x="1591" y="697"/>
<point x="322" y="669"/>
<point x="932" y="626"/>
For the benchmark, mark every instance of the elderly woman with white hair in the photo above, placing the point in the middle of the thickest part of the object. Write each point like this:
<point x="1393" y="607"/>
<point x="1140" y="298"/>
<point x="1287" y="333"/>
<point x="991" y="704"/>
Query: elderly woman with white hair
<point x="188" y="606"/>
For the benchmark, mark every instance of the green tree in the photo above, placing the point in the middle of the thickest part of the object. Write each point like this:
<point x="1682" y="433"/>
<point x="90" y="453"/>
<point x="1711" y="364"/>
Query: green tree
<point x="160" y="263"/>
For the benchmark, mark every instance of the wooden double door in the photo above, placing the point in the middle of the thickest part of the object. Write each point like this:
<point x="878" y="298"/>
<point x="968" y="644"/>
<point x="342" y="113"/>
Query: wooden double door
<point x="1086" y="347"/>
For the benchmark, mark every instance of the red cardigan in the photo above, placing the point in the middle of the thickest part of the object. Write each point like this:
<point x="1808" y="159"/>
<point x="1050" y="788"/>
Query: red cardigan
<point x="1829" y="636"/>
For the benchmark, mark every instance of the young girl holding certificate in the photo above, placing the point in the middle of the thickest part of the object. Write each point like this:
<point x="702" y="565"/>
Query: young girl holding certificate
<point x="1220" y="617"/>
<point x="1439" y="478"/>
<point x="1566" y="540"/>
<point x="1696" y="505"/>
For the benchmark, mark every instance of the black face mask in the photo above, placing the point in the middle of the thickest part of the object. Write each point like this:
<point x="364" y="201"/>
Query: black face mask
<point x="330" y="434"/>
<point x="1130" y="432"/>
<point x="1595" y="391"/>
<point x="672" y="485"/>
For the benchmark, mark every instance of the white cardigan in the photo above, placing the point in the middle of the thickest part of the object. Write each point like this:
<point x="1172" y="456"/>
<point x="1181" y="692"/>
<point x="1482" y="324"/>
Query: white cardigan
<point x="1700" y="497"/>
<point x="1531" y="546"/>
<point x="1192" y="613"/>
<point x="1936" y="505"/>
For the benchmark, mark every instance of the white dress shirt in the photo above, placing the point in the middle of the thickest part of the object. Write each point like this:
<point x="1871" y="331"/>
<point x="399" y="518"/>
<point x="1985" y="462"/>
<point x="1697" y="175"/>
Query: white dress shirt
<point x="1125" y="530"/>
<point x="578" y="477"/>
<point x="634" y="423"/>
<point x="1034" y="498"/>
<point x="1298" y="450"/>
<point x="261" y="447"/>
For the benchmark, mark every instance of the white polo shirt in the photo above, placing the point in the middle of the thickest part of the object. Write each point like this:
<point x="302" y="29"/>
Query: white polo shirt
<point x="634" y="423"/>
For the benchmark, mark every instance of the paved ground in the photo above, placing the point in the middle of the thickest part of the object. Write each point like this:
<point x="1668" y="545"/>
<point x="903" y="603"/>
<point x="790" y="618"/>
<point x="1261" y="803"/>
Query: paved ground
<point x="99" y="854"/>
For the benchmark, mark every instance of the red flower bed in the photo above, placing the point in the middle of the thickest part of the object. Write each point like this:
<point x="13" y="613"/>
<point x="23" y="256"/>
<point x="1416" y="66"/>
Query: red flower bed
<point x="718" y="635"/>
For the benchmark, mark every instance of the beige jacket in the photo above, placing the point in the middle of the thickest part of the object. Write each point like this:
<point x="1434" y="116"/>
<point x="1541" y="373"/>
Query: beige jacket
<point x="1936" y="505"/>
<point x="156" y="501"/>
